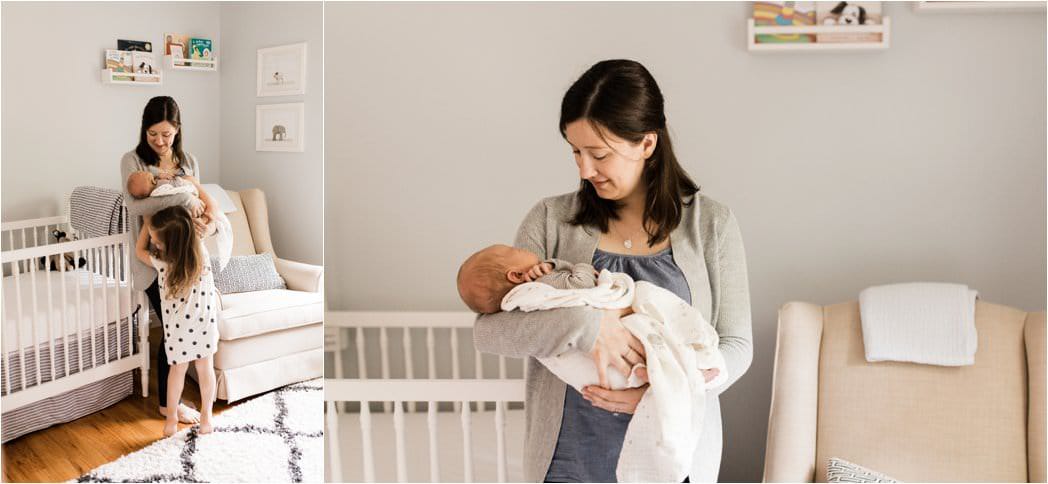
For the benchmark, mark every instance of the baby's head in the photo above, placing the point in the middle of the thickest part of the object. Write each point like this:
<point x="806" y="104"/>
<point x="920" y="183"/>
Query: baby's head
<point x="140" y="184"/>
<point x="487" y="276"/>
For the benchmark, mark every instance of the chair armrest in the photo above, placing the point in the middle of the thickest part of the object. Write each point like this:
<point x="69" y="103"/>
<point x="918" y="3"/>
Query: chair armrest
<point x="300" y="276"/>
<point x="792" y="419"/>
<point x="1035" y="359"/>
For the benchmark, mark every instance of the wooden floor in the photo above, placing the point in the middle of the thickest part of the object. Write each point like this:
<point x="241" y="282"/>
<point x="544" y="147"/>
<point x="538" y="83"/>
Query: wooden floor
<point x="67" y="451"/>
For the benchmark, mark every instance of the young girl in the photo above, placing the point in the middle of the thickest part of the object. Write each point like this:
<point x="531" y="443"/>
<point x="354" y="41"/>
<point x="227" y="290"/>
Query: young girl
<point x="190" y="304"/>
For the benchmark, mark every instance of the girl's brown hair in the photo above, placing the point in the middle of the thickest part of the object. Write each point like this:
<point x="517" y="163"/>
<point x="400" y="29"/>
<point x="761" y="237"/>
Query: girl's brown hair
<point x="622" y="97"/>
<point x="181" y="249"/>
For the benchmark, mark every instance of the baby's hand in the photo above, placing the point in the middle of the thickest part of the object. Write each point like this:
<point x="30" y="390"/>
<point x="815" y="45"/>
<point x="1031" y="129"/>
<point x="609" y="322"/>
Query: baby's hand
<point x="538" y="270"/>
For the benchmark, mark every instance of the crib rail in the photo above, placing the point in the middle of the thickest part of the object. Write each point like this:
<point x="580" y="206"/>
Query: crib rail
<point x="58" y="357"/>
<point x="402" y="395"/>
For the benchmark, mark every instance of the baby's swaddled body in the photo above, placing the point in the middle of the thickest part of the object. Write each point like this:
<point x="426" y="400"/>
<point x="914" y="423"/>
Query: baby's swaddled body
<point x="678" y="341"/>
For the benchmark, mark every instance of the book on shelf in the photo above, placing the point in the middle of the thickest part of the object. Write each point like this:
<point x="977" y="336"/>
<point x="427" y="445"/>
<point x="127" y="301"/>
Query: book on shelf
<point x="200" y="49"/>
<point x="784" y="14"/>
<point x="134" y="45"/>
<point x="846" y="14"/>
<point x="176" y="46"/>
<point x="144" y="63"/>
<point x="119" y="61"/>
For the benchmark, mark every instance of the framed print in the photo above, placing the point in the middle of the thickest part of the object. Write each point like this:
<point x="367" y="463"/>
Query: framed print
<point x="280" y="127"/>
<point x="282" y="70"/>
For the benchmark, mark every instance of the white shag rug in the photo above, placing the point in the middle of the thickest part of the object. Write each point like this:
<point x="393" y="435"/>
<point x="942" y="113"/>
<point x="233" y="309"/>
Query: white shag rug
<point x="276" y="437"/>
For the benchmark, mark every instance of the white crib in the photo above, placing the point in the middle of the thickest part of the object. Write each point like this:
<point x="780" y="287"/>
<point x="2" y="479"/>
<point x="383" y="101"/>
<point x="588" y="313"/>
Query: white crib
<point x="67" y="328"/>
<point x="377" y="435"/>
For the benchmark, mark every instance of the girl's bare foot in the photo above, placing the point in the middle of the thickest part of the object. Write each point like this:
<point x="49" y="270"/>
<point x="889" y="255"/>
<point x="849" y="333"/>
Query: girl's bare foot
<point x="170" y="427"/>
<point x="205" y="426"/>
<point x="186" y="414"/>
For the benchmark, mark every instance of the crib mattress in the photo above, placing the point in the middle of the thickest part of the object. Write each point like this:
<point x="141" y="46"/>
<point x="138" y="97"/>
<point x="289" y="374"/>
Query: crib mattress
<point x="97" y="306"/>
<point x="450" y="451"/>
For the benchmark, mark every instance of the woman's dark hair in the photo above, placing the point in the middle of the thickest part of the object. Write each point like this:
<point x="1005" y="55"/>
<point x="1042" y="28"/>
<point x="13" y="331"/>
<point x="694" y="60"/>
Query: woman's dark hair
<point x="160" y="109"/>
<point x="622" y="97"/>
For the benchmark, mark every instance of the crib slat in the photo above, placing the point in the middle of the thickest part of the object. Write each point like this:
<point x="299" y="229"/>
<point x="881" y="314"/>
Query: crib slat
<point x="431" y="353"/>
<point x="467" y="443"/>
<point x="502" y="367"/>
<point x="78" y="316"/>
<point x="398" y="429"/>
<point x="368" y="443"/>
<point x="50" y="318"/>
<point x="334" y="451"/>
<point x="500" y="439"/>
<point x="17" y="268"/>
<point x="111" y="253"/>
<point x="91" y="265"/>
<point x="3" y="335"/>
<point x="35" y="320"/>
<point x="362" y="363"/>
<point x="65" y="311"/>
<point x="383" y="343"/>
<point x="434" y="460"/>
<point x="126" y="279"/>
<point x="105" y="307"/>
<point x="409" y="369"/>
<point x="455" y="370"/>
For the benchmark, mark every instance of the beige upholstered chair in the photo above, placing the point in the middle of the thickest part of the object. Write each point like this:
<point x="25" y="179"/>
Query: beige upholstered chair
<point x="270" y="338"/>
<point x="916" y="423"/>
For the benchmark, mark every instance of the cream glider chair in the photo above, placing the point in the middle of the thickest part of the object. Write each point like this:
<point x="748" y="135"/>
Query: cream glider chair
<point x="916" y="423"/>
<point x="271" y="338"/>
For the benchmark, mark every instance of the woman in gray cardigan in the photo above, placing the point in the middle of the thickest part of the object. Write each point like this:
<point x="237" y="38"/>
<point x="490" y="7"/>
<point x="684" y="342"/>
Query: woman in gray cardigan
<point x="638" y="212"/>
<point x="160" y="150"/>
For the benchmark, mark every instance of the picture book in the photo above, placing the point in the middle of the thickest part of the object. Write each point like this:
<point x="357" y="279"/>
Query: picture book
<point x="144" y="63"/>
<point x="119" y="61"/>
<point x="200" y="49"/>
<point x="176" y="46"/>
<point x="134" y="45"/>
<point x="784" y="14"/>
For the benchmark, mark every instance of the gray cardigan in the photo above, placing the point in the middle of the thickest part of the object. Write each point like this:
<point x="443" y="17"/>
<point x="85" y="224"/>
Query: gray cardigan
<point x="707" y="246"/>
<point x="142" y="275"/>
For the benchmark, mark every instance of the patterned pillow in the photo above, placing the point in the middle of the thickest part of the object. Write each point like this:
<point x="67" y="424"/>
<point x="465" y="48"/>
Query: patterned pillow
<point x="840" y="470"/>
<point x="247" y="273"/>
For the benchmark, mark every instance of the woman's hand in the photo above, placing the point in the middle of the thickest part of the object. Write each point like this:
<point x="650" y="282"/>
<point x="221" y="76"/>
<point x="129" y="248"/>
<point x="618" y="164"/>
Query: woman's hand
<point x="615" y="346"/>
<point x="196" y="209"/>
<point x="618" y="401"/>
<point x="202" y="225"/>
<point x="709" y="374"/>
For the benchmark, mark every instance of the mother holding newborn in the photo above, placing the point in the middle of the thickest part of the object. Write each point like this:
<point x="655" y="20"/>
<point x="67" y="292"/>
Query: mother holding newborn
<point x="159" y="151"/>
<point x="636" y="211"/>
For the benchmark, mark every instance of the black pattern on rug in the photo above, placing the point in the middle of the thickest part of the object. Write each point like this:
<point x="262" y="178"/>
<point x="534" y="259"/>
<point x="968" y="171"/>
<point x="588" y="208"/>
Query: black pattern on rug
<point x="281" y="430"/>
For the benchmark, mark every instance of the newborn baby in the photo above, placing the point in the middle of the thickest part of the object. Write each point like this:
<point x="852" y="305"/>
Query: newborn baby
<point x="678" y="341"/>
<point x="488" y="276"/>
<point x="142" y="184"/>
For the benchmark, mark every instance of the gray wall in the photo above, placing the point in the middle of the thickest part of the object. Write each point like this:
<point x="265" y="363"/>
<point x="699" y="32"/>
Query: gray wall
<point x="62" y="127"/>
<point x="292" y="181"/>
<point x="923" y="162"/>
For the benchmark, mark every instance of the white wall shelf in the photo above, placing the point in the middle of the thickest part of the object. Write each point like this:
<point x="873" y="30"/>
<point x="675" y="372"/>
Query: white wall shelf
<point x="109" y="77"/>
<point x="191" y="64"/>
<point x="884" y="29"/>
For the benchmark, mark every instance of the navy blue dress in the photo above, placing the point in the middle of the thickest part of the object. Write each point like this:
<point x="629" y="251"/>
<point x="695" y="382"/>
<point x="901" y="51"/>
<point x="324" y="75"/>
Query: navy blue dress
<point x="591" y="438"/>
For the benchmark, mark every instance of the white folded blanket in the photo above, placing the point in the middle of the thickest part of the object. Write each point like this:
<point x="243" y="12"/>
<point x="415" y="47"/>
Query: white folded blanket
<point x="924" y="322"/>
<point x="661" y="437"/>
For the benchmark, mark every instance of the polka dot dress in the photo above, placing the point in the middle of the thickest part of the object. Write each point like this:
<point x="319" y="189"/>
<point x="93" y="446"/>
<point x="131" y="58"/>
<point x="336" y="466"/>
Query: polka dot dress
<point x="191" y="320"/>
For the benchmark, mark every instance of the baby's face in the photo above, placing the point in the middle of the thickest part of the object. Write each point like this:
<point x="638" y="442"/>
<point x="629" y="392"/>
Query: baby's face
<point x="140" y="184"/>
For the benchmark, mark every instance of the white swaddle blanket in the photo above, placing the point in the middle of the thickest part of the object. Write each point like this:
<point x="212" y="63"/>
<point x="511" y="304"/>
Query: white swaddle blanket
<point x="664" y="431"/>
<point x="220" y="242"/>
